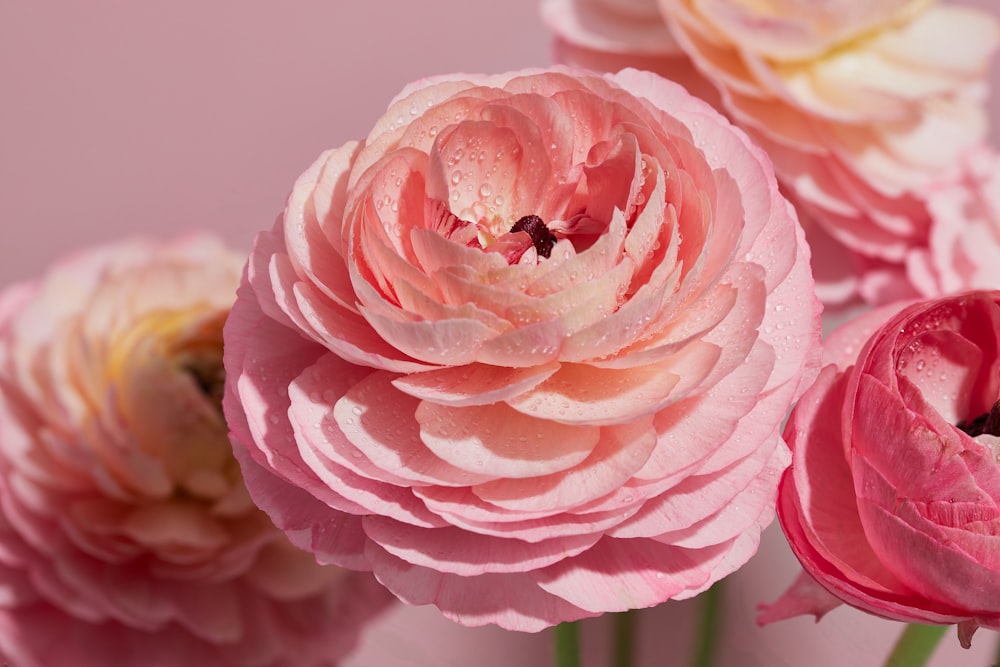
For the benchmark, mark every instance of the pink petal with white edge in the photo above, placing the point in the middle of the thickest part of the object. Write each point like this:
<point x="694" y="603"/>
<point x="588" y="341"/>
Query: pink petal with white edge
<point x="697" y="319"/>
<point x="370" y="443"/>
<point x="305" y="308"/>
<point x="693" y="428"/>
<point x="446" y="342"/>
<point x="435" y="252"/>
<point x="462" y="508"/>
<point x="390" y="129"/>
<point x="374" y="496"/>
<point x="474" y="384"/>
<point x="278" y="354"/>
<point x="311" y="223"/>
<point x="695" y="498"/>
<point x="621" y="451"/>
<point x="740" y="513"/>
<point x="379" y="420"/>
<point x="723" y="148"/>
<point x="512" y="601"/>
<point x="617" y="575"/>
<point x="468" y="554"/>
<point x="506" y="443"/>
<point x="531" y="345"/>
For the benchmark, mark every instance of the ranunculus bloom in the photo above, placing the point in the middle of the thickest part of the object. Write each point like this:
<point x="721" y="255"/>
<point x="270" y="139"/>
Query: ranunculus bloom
<point x="861" y="104"/>
<point x="891" y="502"/>
<point x="127" y="537"/>
<point x="524" y="351"/>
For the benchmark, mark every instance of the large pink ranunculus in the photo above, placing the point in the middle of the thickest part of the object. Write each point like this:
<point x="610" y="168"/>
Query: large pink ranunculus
<point x="892" y="502"/>
<point x="524" y="351"/>
<point x="862" y="105"/>
<point x="127" y="537"/>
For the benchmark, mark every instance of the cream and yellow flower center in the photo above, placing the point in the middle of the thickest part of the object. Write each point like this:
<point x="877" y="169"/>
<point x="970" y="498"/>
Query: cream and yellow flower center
<point x="167" y="377"/>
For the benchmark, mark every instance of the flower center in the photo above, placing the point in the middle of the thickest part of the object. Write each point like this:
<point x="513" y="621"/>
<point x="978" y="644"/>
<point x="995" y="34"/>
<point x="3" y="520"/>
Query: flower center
<point x="541" y="237"/>
<point x="987" y="423"/>
<point x="206" y="369"/>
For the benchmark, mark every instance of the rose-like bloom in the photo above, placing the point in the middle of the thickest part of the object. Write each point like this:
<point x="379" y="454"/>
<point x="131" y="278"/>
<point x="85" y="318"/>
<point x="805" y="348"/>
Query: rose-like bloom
<point x="963" y="251"/>
<point x="127" y="537"/>
<point x="524" y="351"/>
<point x="862" y="105"/>
<point x="891" y="502"/>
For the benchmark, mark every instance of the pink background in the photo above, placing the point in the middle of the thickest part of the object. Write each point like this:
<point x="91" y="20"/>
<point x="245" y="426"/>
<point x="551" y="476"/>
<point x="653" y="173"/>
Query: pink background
<point x="120" y="117"/>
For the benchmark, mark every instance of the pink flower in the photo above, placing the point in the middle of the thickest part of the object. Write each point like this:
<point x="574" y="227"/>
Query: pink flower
<point x="963" y="251"/>
<point x="127" y="537"/>
<point x="524" y="351"/>
<point x="861" y="105"/>
<point x="891" y="503"/>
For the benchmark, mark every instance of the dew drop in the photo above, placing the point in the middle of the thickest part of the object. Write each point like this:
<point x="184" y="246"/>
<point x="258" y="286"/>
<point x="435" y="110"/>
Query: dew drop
<point x="485" y="190"/>
<point x="456" y="176"/>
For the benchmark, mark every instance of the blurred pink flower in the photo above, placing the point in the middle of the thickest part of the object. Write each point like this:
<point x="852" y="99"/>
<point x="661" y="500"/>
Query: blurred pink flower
<point x="127" y="537"/>
<point x="963" y="251"/>
<point x="891" y="502"/>
<point x="525" y="350"/>
<point x="861" y="105"/>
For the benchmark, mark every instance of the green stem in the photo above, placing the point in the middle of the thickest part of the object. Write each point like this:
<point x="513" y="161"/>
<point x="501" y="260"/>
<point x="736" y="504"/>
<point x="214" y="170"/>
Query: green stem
<point x="996" y="658"/>
<point x="624" y="647"/>
<point x="916" y="645"/>
<point x="567" y="645"/>
<point x="708" y="636"/>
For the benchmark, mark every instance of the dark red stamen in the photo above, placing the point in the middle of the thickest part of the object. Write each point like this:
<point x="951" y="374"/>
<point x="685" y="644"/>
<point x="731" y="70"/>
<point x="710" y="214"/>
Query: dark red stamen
<point x="988" y="423"/>
<point x="541" y="237"/>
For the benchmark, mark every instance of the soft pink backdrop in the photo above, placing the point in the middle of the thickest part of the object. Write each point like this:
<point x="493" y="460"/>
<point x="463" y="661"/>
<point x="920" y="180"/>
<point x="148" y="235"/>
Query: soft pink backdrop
<point x="120" y="117"/>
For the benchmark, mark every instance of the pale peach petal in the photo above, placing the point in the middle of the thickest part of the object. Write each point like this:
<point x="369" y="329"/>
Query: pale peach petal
<point x="629" y="27"/>
<point x="506" y="443"/>
<point x="621" y="452"/>
<point x="475" y="384"/>
<point x="945" y="37"/>
<point x="581" y="394"/>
